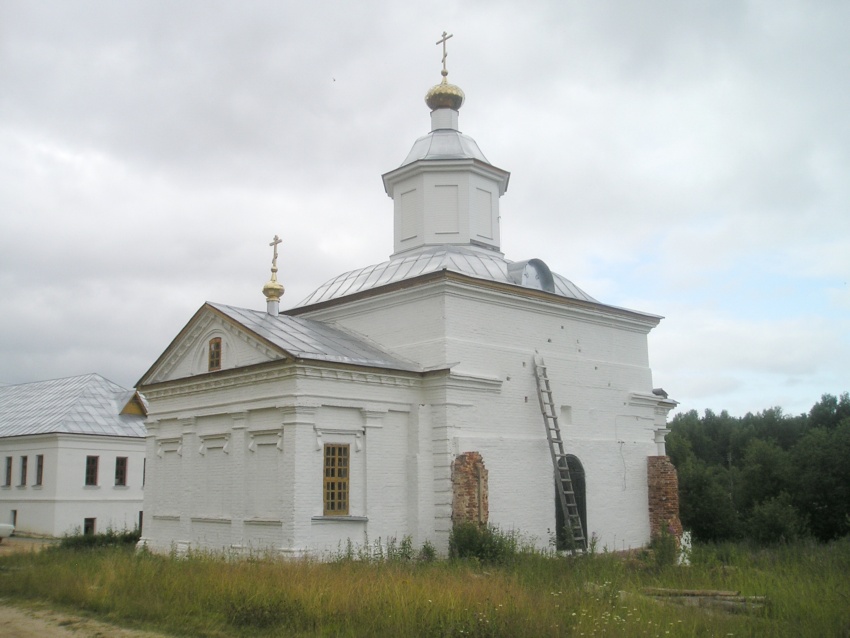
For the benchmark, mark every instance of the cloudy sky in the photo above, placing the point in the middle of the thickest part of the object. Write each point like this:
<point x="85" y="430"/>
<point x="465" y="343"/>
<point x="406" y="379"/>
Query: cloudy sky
<point x="688" y="159"/>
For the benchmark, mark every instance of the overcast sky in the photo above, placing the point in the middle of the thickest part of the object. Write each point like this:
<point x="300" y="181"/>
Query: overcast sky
<point x="687" y="159"/>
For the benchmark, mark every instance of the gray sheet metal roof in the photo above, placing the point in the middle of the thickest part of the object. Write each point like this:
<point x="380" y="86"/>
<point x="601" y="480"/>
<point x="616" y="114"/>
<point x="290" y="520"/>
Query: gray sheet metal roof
<point x="310" y="339"/>
<point x="87" y="404"/>
<point x="474" y="263"/>
<point x="444" y="144"/>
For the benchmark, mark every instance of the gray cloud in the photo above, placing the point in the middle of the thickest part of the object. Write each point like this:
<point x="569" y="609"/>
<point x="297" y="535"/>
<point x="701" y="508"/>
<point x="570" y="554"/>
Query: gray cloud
<point x="684" y="159"/>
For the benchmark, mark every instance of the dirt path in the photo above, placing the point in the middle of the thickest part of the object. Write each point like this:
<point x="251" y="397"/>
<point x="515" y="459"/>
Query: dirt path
<point x="40" y="621"/>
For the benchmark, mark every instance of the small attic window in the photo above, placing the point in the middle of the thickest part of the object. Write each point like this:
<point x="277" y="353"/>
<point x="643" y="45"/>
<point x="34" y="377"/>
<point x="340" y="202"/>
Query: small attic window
<point x="215" y="354"/>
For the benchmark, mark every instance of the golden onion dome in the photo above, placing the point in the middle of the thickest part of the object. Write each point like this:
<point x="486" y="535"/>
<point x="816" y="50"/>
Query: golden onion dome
<point x="273" y="290"/>
<point x="444" y="96"/>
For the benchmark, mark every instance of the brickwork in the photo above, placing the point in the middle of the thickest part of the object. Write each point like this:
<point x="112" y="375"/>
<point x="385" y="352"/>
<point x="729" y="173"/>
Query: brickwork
<point x="470" y="497"/>
<point x="663" y="484"/>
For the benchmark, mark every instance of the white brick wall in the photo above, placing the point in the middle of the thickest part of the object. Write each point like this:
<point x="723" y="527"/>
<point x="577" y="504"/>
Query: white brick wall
<point x="236" y="462"/>
<point x="60" y="505"/>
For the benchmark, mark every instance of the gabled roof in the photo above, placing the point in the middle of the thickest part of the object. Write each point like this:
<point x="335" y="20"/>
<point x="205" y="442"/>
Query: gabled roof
<point x="303" y="338"/>
<point x="87" y="404"/>
<point x="291" y="337"/>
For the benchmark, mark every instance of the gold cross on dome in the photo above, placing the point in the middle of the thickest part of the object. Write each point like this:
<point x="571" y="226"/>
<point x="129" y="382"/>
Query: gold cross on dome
<point x="442" y="41"/>
<point x="277" y="240"/>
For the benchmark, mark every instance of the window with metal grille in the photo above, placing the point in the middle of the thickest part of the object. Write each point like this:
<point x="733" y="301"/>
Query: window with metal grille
<point x="91" y="470"/>
<point x="23" y="470"/>
<point x="39" y="469"/>
<point x="8" y="480"/>
<point x="120" y="470"/>
<point x="215" y="354"/>
<point x="336" y="480"/>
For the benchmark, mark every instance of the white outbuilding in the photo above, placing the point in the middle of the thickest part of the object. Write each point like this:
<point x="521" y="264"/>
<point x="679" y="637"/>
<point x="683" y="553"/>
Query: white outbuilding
<point x="73" y="454"/>
<point x="401" y="398"/>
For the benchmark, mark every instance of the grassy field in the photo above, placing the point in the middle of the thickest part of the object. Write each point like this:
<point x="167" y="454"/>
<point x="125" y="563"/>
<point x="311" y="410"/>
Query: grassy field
<point x="807" y="587"/>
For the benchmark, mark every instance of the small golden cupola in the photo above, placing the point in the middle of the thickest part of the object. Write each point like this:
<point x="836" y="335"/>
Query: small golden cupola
<point x="273" y="290"/>
<point x="444" y="95"/>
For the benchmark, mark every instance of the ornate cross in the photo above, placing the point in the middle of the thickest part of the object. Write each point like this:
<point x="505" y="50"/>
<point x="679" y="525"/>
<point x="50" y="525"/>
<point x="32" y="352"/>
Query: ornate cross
<point x="277" y="240"/>
<point x="442" y="41"/>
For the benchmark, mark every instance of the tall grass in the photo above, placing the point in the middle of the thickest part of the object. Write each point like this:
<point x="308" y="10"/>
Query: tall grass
<point x="534" y="595"/>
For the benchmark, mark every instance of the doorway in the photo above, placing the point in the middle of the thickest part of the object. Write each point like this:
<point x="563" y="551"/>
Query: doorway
<point x="562" y="537"/>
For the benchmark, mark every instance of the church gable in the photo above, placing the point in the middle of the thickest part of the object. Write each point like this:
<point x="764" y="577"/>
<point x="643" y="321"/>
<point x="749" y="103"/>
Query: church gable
<point x="209" y="343"/>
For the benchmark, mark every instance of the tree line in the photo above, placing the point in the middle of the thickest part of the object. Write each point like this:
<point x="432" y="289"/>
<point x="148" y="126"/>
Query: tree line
<point x="767" y="477"/>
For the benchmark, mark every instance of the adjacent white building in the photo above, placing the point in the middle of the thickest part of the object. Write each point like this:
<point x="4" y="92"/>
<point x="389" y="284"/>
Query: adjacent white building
<point x="401" y="397"/>
<point x="72" y="455"/>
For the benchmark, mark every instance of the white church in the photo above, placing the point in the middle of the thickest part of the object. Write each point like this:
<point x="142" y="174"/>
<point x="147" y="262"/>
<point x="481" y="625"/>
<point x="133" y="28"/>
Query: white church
<point x="401" y="398"/>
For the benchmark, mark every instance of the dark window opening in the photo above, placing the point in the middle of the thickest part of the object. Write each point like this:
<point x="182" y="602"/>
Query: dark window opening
<point x="563" y="538"/>
<point x="91" y="470"/>
<point x="88" y="526"/>
<point x="120" y="470"/>
<point x="215" y="354"/>
<point x="39" y="469"/>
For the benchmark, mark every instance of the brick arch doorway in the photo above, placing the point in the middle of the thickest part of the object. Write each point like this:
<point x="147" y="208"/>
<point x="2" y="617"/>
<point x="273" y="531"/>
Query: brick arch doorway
<point x="579" y="487"/>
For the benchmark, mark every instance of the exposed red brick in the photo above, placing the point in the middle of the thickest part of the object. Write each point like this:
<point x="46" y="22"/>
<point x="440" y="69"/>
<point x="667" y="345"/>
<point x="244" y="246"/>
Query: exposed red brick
<point x="470" y="500"/>
<point x="663" y="483"/>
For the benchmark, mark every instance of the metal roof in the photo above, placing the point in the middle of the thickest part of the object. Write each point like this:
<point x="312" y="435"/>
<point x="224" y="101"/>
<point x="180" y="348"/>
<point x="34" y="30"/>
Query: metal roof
<point x="444" y="144"/>
<point x="309" y="339"/>
<point x="87" y="404"/>
<point x="459" y="259"/>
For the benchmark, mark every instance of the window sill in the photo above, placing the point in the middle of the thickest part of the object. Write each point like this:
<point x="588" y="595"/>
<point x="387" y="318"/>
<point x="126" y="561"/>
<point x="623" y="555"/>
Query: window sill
<point x="342" y="519"/>
<point x="91" y="487"/>
<point x="121" y="487"/>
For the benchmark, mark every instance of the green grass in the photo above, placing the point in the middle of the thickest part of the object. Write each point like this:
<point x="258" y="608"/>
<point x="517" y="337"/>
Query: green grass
<point x="532" y="595"/>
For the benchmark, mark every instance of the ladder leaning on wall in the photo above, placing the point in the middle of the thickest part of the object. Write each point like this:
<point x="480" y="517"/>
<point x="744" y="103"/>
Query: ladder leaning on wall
<point x="563" y="481"/>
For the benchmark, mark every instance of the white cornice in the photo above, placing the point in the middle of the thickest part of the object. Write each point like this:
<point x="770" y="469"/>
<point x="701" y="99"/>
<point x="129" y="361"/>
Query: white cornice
<point x="466" y="165"/>
<point x="284" y="371"/>
<point x="441" y="283"/>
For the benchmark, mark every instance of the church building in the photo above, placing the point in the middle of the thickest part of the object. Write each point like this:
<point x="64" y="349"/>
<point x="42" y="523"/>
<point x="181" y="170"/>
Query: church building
<point x="399" y="399"/>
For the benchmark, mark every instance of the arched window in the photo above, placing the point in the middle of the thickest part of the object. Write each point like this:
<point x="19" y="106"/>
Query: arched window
<point x="215" y="354"/>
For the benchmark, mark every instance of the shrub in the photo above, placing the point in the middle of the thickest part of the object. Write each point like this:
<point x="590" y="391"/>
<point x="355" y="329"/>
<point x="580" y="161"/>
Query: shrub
<point x="109" y="538"/>
<point x="665" y="549"/>
<point x="483" y="542"/>
<point x="428" y="553"/>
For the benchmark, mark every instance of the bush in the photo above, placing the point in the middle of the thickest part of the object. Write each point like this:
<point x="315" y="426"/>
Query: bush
<point x="483" y="542"/>
<point x="110" y="538"/>
<point x="665" y="549"/>
<point x="428" y="553"/>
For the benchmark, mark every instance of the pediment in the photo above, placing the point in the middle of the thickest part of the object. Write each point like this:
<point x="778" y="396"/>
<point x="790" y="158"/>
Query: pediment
<point x="188" y="355"/>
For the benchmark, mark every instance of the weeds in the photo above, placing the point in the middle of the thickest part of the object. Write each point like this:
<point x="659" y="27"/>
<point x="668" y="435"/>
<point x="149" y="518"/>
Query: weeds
<point x="110" y="538"/>
<point x="531" y="594"/>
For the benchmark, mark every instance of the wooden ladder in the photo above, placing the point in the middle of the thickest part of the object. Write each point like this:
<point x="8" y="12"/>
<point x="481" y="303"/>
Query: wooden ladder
<point x="563" y="481"/>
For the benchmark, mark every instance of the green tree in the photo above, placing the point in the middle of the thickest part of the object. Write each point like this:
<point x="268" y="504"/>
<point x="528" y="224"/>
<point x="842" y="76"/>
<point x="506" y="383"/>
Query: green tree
<point x="830" y="411"/>
<point x="823" y="480"/>
<point x="705" y="504"/>
<point x="775" y="520"/>
<point x="766" y="471"/>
